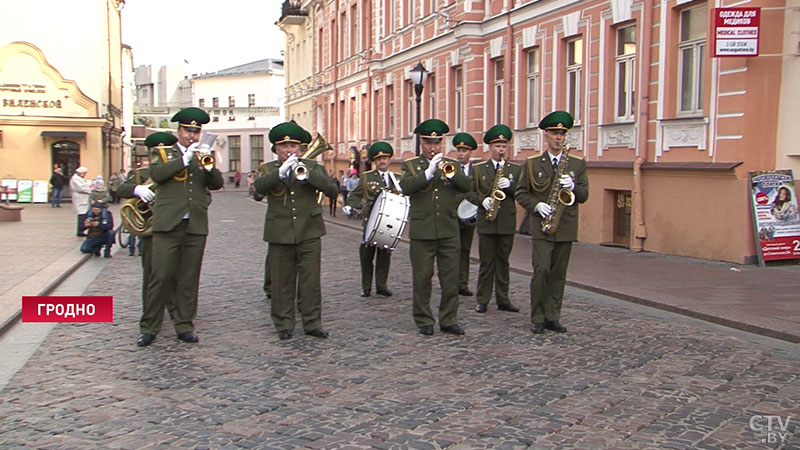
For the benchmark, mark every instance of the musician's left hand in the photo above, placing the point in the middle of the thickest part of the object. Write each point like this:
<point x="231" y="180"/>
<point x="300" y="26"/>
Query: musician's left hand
<point x="566" y="182"/>
<point x="504" y="183"/>
<point x="487" y="203"/>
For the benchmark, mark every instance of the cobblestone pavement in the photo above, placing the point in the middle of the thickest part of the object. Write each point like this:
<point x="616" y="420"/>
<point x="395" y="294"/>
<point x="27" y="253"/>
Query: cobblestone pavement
<point x="621" y="377"/>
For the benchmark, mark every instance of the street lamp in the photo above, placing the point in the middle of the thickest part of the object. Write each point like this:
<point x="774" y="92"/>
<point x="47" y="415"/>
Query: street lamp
<point x="418" y="76"/>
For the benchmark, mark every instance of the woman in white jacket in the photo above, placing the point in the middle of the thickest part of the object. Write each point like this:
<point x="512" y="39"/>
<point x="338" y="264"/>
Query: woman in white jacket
<point x="80" y="189"/>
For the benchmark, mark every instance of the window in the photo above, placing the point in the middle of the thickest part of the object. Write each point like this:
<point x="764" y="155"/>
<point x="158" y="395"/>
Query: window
<point x="499" y="76"/>
<point x="256" y="151"/>
<point x="533" y="87"/>
<point x="431" y="96"/>
<point x="235" y="151"/>
<point x="201" y="103"/>
<point x="408" y="12"/>
<point x="251" y="100"/>
<point x="574" y="70"/>
<point x="231" y="101"/>
<point x="691" y="50"/>
<point x="215" y="102"/>
<point x="389" y="16"/>
<point x="625" y="73"/>
<point x="410" y="108"/>
<point x="354" y="37"/>
<point x="390" y="111"/>
<point x="458" y="98"/>
<point x="343" y="42"/>
<point x="320" y="41"/>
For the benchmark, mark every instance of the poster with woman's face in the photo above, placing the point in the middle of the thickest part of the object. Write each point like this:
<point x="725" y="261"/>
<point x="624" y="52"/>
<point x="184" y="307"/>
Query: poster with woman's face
<point x="776" y="218"/>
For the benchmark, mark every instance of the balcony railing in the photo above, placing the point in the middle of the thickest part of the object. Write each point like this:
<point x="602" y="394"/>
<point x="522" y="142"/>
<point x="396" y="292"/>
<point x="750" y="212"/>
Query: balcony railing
<point x="291" y="9"/>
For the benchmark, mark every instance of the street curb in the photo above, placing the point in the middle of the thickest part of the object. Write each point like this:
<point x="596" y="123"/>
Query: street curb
<point x="46" y="291"/>
<point x="649" y="303"/>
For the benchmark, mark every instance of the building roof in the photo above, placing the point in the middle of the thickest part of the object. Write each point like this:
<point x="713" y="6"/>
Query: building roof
<point x="262" y="66"/>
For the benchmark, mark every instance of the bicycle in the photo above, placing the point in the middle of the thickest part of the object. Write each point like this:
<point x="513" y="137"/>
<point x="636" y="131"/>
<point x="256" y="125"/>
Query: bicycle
<point x="122" y="236"/>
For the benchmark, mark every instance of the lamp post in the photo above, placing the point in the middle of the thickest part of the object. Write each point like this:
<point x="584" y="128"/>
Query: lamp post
<point x="418" y="76"/>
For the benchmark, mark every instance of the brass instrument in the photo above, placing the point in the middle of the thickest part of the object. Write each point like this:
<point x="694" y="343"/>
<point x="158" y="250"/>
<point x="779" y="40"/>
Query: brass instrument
<point x="315" y="148"/>
<point x="206" y="161"/>
<point x="136" y="215"/>
<point x="447" y="168"/>
<point x="497" y="194"/>
<point x="559" y="197"/>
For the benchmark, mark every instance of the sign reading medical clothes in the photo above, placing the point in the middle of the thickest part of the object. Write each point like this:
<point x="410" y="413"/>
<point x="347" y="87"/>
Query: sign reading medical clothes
<point x="736" y="31"/>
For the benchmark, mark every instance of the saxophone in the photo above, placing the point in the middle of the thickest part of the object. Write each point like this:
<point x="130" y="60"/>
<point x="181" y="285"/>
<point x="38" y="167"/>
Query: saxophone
<point x="559" y="197"/>
<point x="497" y="194"/>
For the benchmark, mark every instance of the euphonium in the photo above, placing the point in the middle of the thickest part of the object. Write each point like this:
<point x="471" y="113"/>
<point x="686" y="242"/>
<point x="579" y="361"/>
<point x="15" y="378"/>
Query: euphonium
<point x="137" y="216"/>
<point x="497" y="194"/>
<point x="559" y="197"/>
<point x="315" y="148"/>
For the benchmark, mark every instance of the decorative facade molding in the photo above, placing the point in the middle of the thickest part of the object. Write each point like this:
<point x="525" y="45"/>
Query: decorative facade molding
<point x="570" y="23"/>
<point x="527" y="139"/>
<point x="618" y="135"/>
<point x="684" y="133"/>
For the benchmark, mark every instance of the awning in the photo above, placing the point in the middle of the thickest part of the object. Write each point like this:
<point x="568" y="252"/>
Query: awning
<point x="64" y="134"/>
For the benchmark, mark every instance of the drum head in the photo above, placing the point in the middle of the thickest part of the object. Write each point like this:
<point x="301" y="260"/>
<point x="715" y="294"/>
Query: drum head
<point x="467" y="212"/>
<point x="374" y="216"/>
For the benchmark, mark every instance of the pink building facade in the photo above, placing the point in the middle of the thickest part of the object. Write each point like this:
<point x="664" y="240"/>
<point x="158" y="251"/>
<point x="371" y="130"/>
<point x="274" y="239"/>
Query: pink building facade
<point x="668" y="132"/>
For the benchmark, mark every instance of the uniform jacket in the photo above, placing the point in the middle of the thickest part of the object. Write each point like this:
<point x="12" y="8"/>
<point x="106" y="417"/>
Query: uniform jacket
<point x="483" y="176"/>
<point x="364" y="198"/>
<point x="535" y="186"/>
<point x="136" y="178"/>
<point x="434" y="204"/>
<point x="175" y="197"/>
<point x="293" y="214"/>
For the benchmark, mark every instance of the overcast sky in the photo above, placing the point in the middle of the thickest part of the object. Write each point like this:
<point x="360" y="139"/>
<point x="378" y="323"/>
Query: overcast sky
<point x="210" y="35"/>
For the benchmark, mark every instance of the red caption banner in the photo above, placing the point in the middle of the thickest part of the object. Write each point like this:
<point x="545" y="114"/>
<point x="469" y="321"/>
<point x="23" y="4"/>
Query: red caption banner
<point x="68" y="309"/>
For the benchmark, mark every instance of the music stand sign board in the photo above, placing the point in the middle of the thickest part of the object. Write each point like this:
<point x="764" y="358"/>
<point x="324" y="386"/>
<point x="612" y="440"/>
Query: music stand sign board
<point x="735" y="31"/>
<point x="775" y="216"/>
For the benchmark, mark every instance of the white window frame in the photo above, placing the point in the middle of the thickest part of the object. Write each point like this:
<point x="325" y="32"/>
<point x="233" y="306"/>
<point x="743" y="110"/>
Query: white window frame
<point x="431" y="96"/>
<point x="499" y="84"/>
<point x="533" y="79"/>
<point x="574" y="81"/>
<point x="625" y="65"/>
<point x="390" y="111"/>
<point x="411" y="107"/>
<point x="697" y="47"/>
<point x="458" y="97"/>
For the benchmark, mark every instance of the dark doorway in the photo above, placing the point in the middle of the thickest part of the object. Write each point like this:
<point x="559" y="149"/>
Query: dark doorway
<point x="67" y="155"/>
<point x="622" y="218"/>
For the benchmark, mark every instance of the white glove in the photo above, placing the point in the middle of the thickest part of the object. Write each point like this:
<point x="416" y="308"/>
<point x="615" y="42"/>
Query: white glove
<point x="543" y="209"/>
<point x="347" y="210"/>
<point x="143" y="192"/>
<point x="287" y="166"/>
<point x="566" y="182"/>
<point x="431" y="170"/>
<point x="487" y="203"/>
<point x="187" y="157"/>
<point x="504" y="183"/>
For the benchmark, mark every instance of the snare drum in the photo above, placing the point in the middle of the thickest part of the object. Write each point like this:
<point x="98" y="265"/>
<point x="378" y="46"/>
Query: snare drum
<point x="467" y="212"/>
<point x="387" y="220"/>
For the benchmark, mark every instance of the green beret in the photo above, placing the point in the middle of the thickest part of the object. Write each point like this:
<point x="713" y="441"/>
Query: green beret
<point x="379" y="149"/>
<point x="557" y="121"/>
<point x="464" y="140"/>
<point x="432" y="129"/>
<point x="193" y="118"/>
<point x="288" y="132"/>
<point x="498" y="133"/>
<point x="160" y="139"/>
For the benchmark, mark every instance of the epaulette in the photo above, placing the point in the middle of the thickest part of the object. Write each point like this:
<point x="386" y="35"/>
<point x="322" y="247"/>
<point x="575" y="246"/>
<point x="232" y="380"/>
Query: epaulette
<point x="575" y="156"/>
<point x="369" y="171"/>
<point x="411" y="159"/>
<point x="534" y="156"/>
<point x="482" y="163"/>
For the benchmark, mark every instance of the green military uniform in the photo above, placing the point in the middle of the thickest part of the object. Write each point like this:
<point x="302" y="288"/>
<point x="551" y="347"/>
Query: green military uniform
<point x="434" y="231"/>
<point x="152" y="314"/>
<point x="551" y="251"/>
<point x="495" y="238"/>
<point x="466" y="228"/>
<point x="293" y="226"/>
<point x="363" y="197"/>
<point x="180" y="224"/>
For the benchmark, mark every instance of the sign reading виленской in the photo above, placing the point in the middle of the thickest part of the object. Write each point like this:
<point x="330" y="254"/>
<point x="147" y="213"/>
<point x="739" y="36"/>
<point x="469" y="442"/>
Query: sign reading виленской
<point x="735" y="31"/>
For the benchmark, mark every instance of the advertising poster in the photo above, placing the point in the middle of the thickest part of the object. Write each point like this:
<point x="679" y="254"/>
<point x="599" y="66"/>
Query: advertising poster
<point x="12" y="183"/>
<point x="24" y="191"/>
<point x="41" y="189"/>
<point x="775" y="216"/>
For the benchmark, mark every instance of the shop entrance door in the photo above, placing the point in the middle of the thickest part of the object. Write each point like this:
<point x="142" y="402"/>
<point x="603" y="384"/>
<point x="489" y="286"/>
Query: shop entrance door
<point x="622" y="218"/>
<point x="67" y="155"/>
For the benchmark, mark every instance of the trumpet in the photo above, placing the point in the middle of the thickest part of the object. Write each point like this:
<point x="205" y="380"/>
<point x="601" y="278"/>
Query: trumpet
<point x="300" y="171"/>
<point x="447" y="168"/>
<point x="315" y="148"/>
<point x="206" y="160"/>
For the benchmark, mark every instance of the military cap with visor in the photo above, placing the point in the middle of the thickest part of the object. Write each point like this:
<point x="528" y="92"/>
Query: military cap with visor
<point x="432" y="129"/>
<point x="288" y="132"/>
<point x="465" y="141"/>
<point x="191" y="118"/>
<point x="498" y="133"/>
<point x="556" y="121"/>
<point x="379" y="149"/>
<point x="160" y="139"/>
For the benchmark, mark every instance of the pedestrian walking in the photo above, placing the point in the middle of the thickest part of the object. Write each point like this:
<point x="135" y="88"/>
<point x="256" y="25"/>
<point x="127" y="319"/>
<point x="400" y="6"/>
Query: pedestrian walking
<point x="57" y="180"/>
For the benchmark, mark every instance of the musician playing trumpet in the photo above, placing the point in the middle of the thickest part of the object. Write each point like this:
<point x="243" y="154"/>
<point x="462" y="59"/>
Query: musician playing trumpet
<point x="547" y="180"/>
<point x="293" y="227"/>
<point x="495" y="182"/>
<point x="433" y="182"/>
<point x="363" y="197"/>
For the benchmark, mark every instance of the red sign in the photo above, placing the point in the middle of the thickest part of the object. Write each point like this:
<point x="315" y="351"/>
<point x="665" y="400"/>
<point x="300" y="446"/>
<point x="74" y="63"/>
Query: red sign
<point x="68" y="309"/>
<point x="735" y="31"/>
